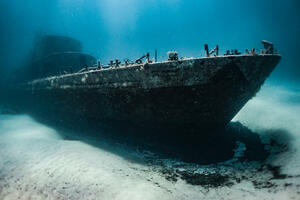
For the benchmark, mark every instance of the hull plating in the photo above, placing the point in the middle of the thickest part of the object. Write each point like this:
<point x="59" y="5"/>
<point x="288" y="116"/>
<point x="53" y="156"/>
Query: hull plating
<point x="205" y="92"/>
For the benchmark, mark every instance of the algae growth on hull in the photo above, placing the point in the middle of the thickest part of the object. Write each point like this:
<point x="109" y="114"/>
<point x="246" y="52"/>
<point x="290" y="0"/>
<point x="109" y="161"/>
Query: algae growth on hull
<point x="39" y="162"/>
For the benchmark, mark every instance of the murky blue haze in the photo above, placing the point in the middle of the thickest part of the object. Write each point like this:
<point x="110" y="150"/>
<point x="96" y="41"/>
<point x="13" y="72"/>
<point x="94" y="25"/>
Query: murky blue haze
<point x="41" y="162"/>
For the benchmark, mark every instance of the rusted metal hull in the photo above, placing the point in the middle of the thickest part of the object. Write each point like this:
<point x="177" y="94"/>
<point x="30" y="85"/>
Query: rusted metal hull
<point x="173" y="95"/>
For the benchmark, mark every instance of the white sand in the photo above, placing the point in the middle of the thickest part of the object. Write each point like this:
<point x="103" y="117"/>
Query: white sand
<point x="36" y="163"/>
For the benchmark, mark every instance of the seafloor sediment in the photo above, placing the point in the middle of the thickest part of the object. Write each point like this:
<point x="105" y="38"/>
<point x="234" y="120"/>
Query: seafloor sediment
<point x="39" y="162"/>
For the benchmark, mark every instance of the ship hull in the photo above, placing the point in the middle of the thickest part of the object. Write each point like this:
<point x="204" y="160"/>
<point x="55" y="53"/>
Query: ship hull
<point x="189" y="95"/>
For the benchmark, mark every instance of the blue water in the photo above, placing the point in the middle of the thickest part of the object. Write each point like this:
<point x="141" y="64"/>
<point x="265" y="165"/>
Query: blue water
<point x="112" y="29"/>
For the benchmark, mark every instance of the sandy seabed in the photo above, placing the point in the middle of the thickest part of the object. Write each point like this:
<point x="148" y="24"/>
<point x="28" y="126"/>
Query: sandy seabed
<point x="37" y="162"/>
